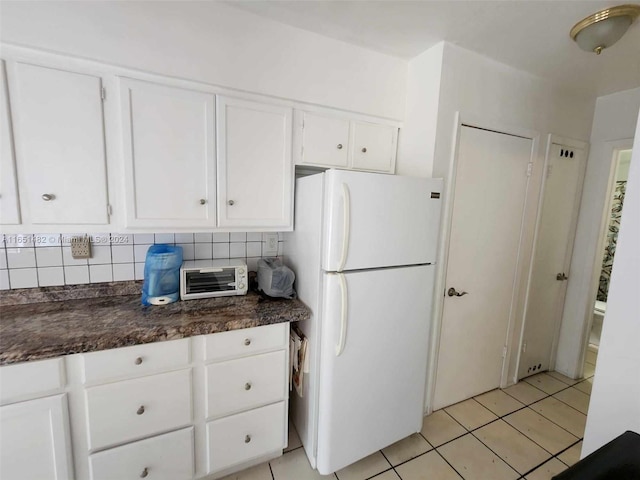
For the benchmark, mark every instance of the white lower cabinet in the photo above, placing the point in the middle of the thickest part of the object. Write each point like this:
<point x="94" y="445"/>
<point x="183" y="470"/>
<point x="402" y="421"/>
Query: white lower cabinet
<point x="165" y="457"/>
<point x="245" y="436"/>
<point x="34" y="440"/>
<point x="195" y="408"/>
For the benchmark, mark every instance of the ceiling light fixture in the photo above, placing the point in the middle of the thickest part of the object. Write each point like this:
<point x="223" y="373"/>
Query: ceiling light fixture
<point x="604" y="28"/>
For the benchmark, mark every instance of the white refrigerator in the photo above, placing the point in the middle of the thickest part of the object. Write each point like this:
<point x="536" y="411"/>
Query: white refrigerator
<point x="363" y="250"/>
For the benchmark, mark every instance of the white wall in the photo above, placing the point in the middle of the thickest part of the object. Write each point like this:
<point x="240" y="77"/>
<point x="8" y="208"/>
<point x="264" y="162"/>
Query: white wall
<point x="614" y="119"/>
<point x="496" y="95"/>
<point x="615" y="400"/>
<point x="417" y="139"/>
<point x="214" y="43"/>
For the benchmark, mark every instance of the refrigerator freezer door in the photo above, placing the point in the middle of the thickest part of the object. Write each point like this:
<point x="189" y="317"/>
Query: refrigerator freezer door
<point x="375" y="220"/>
<point x="374" y="363"/>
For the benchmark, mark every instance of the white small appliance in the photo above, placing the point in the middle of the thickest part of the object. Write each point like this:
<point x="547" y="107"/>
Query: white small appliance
<point x="212" y="278"/>
<point x="364" y="252"/>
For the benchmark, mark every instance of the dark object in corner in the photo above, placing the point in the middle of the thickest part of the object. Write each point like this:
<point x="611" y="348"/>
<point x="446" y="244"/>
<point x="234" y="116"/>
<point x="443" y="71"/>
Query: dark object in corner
<point x="617" y="460"/>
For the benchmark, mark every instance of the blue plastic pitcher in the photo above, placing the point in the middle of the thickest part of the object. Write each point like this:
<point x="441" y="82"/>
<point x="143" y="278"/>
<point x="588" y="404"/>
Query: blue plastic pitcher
<point x="162" y="275"/>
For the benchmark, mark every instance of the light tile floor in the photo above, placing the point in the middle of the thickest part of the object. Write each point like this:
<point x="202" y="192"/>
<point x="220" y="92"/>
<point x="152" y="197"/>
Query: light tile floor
<point x="530" y="431"/>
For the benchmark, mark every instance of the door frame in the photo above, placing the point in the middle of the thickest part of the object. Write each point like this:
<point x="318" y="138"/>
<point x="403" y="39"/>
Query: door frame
<point x="612" y="149"/>
<point x="573" y="143"/>
<point x="460" y="120"/>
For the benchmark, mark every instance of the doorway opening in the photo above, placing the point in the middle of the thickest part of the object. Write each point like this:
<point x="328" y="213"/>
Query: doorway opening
<point x="608" y="240"/>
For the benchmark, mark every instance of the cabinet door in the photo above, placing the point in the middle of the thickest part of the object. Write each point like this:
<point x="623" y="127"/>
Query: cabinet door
<point x="9" y="207"/>
<point x="374" y="147"/>
<point x="169" y="156"/>
<point x="60" y="145"/>
<point x="325" y="141"/>
<point x="255" y="169"/>
<point x="35" y="440"/>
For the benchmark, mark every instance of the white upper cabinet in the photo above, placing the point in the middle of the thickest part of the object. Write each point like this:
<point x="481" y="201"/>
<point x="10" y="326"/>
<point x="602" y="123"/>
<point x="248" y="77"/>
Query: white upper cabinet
<point x="168" y="150"/>
<point x="9" y="206"/>
<point x="338" y="142"/>
<point x="374" y="147"/>
<point x="59" y="136"/>
<point x="325" y="141"/>
<point x="255" y="169"/>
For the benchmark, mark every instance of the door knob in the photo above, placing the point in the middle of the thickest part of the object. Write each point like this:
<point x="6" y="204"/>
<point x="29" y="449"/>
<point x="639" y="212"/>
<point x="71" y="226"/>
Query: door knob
<point x="452" y="293"/>
<point x="561" y="276"/>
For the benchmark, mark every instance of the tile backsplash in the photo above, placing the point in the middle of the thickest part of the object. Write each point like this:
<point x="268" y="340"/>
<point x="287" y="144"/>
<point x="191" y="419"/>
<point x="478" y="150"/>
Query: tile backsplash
<point x="43" y="260"/>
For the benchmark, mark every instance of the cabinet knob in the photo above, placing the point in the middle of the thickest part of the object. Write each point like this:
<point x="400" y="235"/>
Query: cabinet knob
<point x="247" y="342"/>
<point x="138" y="361"/>
<point x="231" y="202"/>
<point x="364" y="149"/>
<point x="47" y="197"/>
<point x="203" y="201"/>
<point x="247" y="386"/>
<point x="140" y="410"/>
<point x="339" y="146"/>
<point x="247" y="438"/>
<point x="144" y="473"/>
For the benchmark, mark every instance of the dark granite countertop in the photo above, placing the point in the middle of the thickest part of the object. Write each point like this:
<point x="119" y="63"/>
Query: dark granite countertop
<point x="35" y="331"/>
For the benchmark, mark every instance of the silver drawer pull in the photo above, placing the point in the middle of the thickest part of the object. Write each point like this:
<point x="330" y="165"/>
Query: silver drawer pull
<point x="339" y="146"/>
<point x="47" y="197"/>
<point x="140" y="410"/>
<point x="364" y="149"/>
<point x="144" y="473"/>
<point x="247" y="386"/>
<point x="247" y="438"/>
<point x="247" y="342"/>
<point x="138" y="361"/>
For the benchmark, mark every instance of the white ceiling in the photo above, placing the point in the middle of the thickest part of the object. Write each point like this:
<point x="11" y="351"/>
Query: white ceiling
<point x="531" y="35"/>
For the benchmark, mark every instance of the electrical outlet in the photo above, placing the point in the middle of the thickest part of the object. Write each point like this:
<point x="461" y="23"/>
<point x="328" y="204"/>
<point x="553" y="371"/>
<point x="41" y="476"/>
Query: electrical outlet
<point x="270" y="244"/>
<point x="81" y="247"/>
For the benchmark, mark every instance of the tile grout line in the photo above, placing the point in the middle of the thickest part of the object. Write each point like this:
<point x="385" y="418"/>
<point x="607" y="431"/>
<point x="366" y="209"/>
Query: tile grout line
<point x="447" y="461"/>
<point x="501" y="418"/>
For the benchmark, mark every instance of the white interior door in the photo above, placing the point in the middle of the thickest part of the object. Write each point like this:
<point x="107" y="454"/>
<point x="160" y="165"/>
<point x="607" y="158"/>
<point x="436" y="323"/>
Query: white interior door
<point x="488" y="206"/>
<point x="372" y="390"/>
<point x="374" y="220"/>
<point x="168" y="147"/>
<point x="552" y="257"/>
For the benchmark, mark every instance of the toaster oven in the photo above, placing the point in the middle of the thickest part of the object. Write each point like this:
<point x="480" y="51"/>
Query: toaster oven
<point x="212" y="278"/>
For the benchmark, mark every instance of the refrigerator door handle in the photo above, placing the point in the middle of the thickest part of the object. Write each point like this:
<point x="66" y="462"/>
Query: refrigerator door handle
<point x="346" y="205"/>
<point x="343" y="315"/>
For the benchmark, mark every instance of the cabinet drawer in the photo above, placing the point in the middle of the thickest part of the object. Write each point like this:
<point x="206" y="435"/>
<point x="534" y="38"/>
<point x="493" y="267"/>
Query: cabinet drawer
<point x="247" y="341"/>
<point x="165" y="457"/>
<point x="30" y="378"/>
<point x="245" y="383"/>
<point x="132" y="409"/>
<point x="239" y="438"/>
<point x="135" y="361"/>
